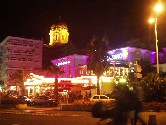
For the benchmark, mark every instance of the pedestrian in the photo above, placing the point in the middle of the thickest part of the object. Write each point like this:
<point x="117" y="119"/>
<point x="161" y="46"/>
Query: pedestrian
<point x="125" y="105"/>
<point x="137" y="89"/>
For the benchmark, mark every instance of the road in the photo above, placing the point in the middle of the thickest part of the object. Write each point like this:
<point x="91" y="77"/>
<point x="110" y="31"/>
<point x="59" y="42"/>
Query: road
<point x="53" y="116"/>
<point x="45" y="116"/>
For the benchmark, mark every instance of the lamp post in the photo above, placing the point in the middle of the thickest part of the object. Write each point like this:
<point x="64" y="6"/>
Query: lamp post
<point x="157" y="50"/>
<point x="158" y="8"/>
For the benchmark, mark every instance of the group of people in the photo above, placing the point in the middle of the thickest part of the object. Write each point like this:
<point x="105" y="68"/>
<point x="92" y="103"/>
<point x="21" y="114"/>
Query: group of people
<point x="128" y="105"/>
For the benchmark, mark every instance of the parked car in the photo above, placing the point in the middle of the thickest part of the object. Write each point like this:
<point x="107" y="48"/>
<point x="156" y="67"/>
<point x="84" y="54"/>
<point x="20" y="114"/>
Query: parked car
<point x="101" y="98"/>
<point x="25" y="98"/>
<point x="44" y="100"/>
<point x="112" y="94"/>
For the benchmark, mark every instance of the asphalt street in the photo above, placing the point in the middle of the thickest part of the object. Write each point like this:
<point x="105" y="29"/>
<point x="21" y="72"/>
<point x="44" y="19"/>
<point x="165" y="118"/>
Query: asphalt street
<point x="54" y="116"/>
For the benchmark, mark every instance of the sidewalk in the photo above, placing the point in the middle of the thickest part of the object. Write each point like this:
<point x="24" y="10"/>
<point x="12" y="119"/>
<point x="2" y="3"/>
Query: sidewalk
<point x="159" y="117"/>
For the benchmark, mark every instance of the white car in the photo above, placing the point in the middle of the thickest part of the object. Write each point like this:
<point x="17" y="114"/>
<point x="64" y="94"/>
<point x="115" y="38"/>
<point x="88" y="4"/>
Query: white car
<point x="101" y="98"/>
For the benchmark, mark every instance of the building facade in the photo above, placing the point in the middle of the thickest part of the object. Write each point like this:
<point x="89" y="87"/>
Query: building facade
<point x="19" y="54"/>
<point x="131" y="54"/>
<point x="123" y="56"/>
<point x="73" y="65"/>
<point x="119" y="59"/>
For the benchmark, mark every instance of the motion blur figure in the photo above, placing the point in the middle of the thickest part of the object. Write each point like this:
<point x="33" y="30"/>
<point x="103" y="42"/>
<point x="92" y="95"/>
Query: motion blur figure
<point x="127" y="108"/>
<point x="125" y="105"/>
<point x="137" y="89"/>
<point x="124" y="108"/>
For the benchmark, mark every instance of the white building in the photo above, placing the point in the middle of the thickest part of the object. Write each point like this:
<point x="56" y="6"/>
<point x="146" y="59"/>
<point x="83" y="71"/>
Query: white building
<point x="19" y="54"/>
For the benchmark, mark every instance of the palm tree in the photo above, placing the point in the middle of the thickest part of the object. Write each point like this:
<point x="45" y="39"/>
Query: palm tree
<point x="56" y="71"/>
<point x="18" y="78"/>
<point x="97" y="61"/>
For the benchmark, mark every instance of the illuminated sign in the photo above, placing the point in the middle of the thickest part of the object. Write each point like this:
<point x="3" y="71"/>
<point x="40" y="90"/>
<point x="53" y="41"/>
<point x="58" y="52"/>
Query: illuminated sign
<point x="79" y="81"/>
<point x="118" y="56"/>
<point x="63" y="63"/>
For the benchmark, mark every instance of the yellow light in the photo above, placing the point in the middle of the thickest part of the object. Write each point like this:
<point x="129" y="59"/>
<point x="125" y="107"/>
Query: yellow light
<point x="49" y="80"/>
<point x="106" y="79"/>
<point x="94" y="80"/>
<point x="158" y="8"/>
<point x="122" y="80"/>
<point x="79" y="81"/>
<point x="151" y="20"/>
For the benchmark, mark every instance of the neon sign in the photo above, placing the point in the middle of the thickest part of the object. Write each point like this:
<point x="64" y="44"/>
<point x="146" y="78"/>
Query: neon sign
<point x="63" y="63"/>
<point x="118" y="56"/>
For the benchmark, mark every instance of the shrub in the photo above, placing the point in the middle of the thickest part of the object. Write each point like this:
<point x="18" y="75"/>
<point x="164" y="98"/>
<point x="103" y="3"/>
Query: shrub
<point x="87" y="106"/>
<point x="154" y="106"/>
<point x="82" y="105"/>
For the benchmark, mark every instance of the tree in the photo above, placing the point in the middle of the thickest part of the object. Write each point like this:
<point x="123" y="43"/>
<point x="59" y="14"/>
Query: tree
<point x="97" y="60"/>
<point x="18" y="78"/>
<point x="154" y="87"/>
<point x="146" y="66"/>
<point x="1" y="83"/>
<point x="56" y="71"/>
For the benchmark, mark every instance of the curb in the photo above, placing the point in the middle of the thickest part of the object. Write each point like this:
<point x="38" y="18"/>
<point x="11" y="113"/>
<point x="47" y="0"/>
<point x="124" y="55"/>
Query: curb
<point x="154" y="111"/>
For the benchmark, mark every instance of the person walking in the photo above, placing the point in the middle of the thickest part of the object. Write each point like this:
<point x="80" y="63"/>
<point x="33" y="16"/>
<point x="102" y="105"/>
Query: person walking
<point x="137" y="89"/>
<point x="125" y="105"/>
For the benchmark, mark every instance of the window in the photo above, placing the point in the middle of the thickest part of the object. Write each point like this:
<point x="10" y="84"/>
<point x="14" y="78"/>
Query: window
<point x="29" y="59"/>
<point x="96" y="97"/>
<point x="12" y="58"/>
<point x="56" y="37"/>
<point x="31" y="45"/>
<point x="103" y="97"/>
<point x="62" y="37"/>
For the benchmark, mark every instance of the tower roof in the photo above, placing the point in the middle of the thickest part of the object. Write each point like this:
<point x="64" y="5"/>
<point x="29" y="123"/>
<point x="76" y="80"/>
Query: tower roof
<point x="59" y="24"/>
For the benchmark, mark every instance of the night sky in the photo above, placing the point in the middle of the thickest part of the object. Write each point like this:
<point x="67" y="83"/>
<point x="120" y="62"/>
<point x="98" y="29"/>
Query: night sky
<point x="121" y="20"/>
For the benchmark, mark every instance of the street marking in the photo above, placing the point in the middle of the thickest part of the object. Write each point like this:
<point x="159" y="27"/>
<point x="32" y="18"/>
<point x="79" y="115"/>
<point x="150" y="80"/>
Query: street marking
<point x="37" y="114"/>
<point x="74" y="115"/>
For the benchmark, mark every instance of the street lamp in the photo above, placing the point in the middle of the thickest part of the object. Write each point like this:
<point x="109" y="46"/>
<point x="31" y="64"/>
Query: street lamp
<point x="154" y="20"/>
<point x="158" y="8"/>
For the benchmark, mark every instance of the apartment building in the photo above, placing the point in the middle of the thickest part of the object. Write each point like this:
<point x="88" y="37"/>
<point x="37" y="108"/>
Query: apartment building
<point x="19" y="54"/>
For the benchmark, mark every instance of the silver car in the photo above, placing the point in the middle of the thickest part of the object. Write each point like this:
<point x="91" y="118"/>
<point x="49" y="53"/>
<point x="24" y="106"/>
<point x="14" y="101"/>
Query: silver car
<point x="44" y="100"/>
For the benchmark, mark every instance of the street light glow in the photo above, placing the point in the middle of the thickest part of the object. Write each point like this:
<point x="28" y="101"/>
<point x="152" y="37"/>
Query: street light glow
<point x="151" y="20"/>
<point x="158" y="8"/>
